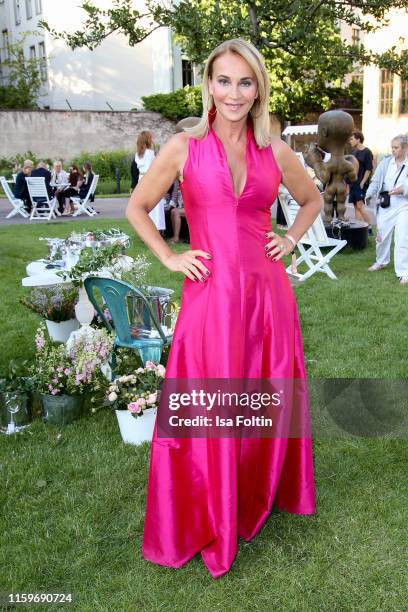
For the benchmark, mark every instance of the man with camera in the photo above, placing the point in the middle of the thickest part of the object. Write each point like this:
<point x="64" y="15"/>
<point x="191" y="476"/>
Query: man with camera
<point x="389" y="188"/>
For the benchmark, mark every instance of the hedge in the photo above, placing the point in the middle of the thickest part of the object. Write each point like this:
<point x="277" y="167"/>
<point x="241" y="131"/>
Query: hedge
<point x="177" y="105"/>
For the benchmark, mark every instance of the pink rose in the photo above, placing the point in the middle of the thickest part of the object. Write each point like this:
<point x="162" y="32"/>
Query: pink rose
<point x="149" y="365"/>
<point x="151" y="399"/>
<point x="141" y="402"/>
<point x="134" y="408"/>
<point x="161" y="370"/>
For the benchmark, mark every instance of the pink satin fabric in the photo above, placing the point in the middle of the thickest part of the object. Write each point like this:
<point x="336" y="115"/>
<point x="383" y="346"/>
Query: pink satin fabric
<point x="242" y="322"/>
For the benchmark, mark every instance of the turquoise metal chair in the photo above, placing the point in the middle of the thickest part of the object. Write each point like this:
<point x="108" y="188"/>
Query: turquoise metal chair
<point x="116" y="295"/>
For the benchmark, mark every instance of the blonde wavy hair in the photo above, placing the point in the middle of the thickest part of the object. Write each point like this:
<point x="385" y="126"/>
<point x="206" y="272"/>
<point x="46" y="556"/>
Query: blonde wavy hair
<point x="260" y="109"/>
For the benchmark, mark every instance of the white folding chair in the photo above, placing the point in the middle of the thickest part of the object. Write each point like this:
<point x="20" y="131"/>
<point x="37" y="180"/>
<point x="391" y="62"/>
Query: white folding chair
<point x="85" y="205"/>
<point x="311" y="243"/>
<point x="16" y="203"/>
<point x="43" y="207"/>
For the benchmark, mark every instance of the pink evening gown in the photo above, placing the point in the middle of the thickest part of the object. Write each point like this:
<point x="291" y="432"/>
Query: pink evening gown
<point x="204" y="493"/>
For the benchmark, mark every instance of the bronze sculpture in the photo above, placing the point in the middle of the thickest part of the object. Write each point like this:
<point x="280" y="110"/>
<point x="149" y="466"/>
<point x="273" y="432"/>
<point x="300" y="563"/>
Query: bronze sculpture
<point x="334" y="130"/>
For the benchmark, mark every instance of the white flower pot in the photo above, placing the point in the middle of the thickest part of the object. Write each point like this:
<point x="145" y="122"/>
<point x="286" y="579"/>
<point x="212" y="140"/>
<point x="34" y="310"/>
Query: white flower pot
<point x="84" y="311"/>
<point x="139" y="429"/>
<point x="60" y="332"/>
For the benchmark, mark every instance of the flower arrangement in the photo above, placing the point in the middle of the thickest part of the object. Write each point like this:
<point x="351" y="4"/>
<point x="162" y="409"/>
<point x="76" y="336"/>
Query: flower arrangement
<point x="53" y="370"/>
<point x="75" y="368"/>
<point x="138" y="391"/>
<point x="55" y="303"/>
<point x="138" y="273"/>
<point x="89" y="349"/>
<point x="107" y="259"/>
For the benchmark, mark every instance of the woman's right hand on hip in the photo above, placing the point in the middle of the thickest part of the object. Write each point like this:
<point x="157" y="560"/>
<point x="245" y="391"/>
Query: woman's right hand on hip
<point x="189" y="264"/>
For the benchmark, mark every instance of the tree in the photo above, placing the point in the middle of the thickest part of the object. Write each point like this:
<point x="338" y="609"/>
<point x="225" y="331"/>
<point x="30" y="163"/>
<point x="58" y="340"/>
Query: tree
<point x="300" y="39"/>
<point x="21" y="78"/>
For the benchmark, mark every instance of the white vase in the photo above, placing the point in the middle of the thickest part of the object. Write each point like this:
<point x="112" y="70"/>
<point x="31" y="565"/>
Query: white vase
<point x="60" y="332"/>
<point x="84" y="311"/>
<point x="135" y="430"/>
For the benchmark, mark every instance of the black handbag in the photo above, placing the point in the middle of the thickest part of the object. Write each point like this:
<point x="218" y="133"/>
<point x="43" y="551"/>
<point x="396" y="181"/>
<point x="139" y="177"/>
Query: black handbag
<point x="384" y="199"/>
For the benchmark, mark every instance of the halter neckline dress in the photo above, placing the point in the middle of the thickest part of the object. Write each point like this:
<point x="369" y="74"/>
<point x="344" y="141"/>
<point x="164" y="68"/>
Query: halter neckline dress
<point x="241" y="323"/>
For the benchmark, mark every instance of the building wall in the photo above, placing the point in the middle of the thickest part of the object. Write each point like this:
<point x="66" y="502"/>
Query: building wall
<point x="378" y="129"/>
<point x="351" y="34"/>
<point x="113" y="75"/>
<point x="64" y="134"/>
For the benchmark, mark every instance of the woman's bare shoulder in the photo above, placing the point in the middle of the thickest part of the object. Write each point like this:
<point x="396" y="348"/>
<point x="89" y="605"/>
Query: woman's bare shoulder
<point x="284" y="155"/>
<point x="177" y="144"/>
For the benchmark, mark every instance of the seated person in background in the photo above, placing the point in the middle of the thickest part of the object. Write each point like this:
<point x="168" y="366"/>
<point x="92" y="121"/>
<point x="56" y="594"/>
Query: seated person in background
<point x="176" y="215"/>
<point x="75" y="180"/>
<point x="177" y="210"/>
<point x="59" y="181"/>
<point x="58" y="175"/>
<point x="20" y="189"/>
<point x="87" y="181"/>
<point x="42" y="170"/>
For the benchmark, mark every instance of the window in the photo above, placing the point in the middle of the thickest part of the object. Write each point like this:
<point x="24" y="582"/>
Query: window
<point x="386" y="91"/>
<point x="355" y="37"/>
<point x="5" y="44"/>
<point x="29" y="9"/>
<point x="187" y="70"/>
<point x="38" y="7"/>
<point x="43" y="64"/>
<point x="17" y="13"/>
<point x="33" y="54"/>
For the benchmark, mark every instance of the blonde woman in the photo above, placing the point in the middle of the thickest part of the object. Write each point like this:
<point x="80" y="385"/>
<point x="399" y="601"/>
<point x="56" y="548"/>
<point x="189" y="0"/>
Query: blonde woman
<point x="238" y="318"/>
<point x="144" y="158"/>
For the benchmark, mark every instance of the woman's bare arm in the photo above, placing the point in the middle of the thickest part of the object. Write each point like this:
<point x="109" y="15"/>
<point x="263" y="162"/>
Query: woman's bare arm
<point x="149" y="191"/>
<point x="304" y="192"/>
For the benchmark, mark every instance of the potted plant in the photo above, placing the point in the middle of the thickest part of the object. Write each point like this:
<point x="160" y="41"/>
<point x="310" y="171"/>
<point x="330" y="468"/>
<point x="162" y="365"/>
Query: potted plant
<point x="67" y="374"/>
<point x="135" y="398"/>
<point x="55" y="304"/>
<point x="15" y="394"/>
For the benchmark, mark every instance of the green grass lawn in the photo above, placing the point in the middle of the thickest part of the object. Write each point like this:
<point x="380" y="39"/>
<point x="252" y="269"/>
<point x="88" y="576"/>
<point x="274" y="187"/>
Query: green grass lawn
<point x="73" y="504"/>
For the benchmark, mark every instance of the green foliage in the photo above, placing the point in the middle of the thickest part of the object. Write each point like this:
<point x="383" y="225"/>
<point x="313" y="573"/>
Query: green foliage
<point x="300" y="39"/>
<point x="22" y="82"/>
<point x="105" y="163"/>
<point x="8" y="165"/>
<point x="177" y="105"/>
<point x="91" y="260"/>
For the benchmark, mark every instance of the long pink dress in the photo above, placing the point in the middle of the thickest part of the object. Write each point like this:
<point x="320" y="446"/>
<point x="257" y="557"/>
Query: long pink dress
<point x="241" y="323"/>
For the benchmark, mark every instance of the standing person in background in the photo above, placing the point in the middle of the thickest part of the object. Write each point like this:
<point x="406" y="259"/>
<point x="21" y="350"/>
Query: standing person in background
<point x="134" y="174"/>
<point x="144" y="158"/>
<point x="20" y="189"/>
<point x="42" y="171"/>
<point x="359" y="187"/>
<point x="391" y="176"/>
<point x="59" y="181"/>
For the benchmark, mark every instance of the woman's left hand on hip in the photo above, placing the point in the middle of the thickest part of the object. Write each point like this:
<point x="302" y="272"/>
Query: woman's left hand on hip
<point x="278" y="246"/>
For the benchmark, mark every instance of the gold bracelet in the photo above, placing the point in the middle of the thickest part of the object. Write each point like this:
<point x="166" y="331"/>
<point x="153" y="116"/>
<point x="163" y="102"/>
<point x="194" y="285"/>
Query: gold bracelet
<point x="293" y="241"/>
